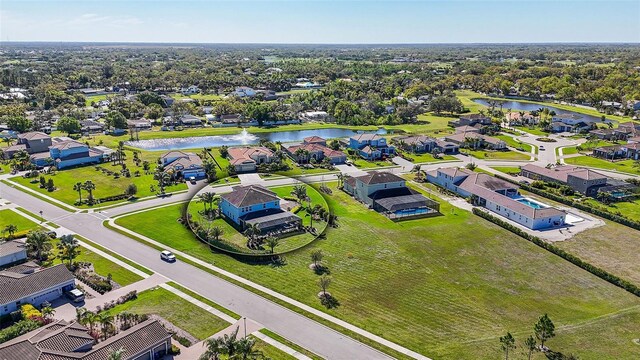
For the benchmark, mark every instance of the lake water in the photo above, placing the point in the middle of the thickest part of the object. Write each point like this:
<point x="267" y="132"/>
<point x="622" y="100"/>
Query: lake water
<point x="243" y="138"/>
<point x="523" y="106"/>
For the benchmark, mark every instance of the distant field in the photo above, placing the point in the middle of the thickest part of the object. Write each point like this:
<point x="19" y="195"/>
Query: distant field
<point x="626" y="166"/>
<point x="497" y="155"/>
<point x="457" y="280"/>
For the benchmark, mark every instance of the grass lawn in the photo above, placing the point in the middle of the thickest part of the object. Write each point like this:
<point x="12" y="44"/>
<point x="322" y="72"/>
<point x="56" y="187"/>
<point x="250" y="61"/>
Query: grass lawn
<point x="585" y="148"/>
<point x="609" y="247"/>
<point x="9" y="217"/>
<point x="457" y="280"/>
<point x="533" y="130"/>
<point x="592" y="162"/>
<point x="507" y="169"/>
<point x="179" y="96"/>
<point x="297" y="170"/>
<point x="428" y="158"/>
<point x="497" y="155"/>
<point x="270" y="352"/>
<point x="366" y="164"/>
<point x="105" y="185"/>
<point x="181" y="313"/>
<point x="102" y="266"/>
<point x="515" y="143"/>
<point x="627" y="208"/>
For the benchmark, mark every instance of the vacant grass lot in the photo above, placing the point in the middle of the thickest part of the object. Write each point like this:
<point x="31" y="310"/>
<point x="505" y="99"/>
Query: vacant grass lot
<point x="181" y="313"/>
<point x="497" y="155"/>
<point x="507" y="169"/>
<point x="105" y="185"/>
<point x="515" y="143"/>
<point x="102" y="266"/>
<point x="428" y="158"/>
<point x="611" y="247"/>
<point x="626" y="166"/>
<point x="9" y="217"/>
<point x="456" y="280"/>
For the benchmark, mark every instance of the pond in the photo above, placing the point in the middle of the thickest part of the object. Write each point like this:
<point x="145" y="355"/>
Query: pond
<point x="243" y="138"/>
<point x="524" y="106"/>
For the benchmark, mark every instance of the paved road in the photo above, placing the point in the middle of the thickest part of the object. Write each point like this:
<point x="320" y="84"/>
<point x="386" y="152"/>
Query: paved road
<point x="295" y="327"/>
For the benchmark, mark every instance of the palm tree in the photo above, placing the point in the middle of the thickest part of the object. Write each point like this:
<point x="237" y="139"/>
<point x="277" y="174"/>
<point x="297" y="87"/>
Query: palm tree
<point x="312" y="211"/>
<point x="215" y="233"/>
<point x="245" y="349"/>
<point x="272" y="242"/>
<point x="106" y="322"/>
<point x="207" y="199"/>
<point x="8" y="140"/>
<point x="252" y="231"/>
<point x="69" y="248"/>
<point x="89" y="186"/>
<point x="163" y="180"/>
<point x="214" y="347"/>
<point x="47" y="312"/>
<point x="78" y="187"/>
<point x="341" y="178"/>
<point x="230" y="342"/>
<point x="300" y="192"/>
<point x="316" y="258"/>
<point x="11" y="229"/>
<point x="39" y="242"/>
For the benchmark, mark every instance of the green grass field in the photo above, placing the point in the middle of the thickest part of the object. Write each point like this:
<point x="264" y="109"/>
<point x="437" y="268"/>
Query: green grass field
<point x="457" y="280"/>
<point x="9" y="217"/>
<point x="497" y="155"/>
<point x="213" y="97"/>
<point x="181" y="313"/>
<point x="105" y="185"/>
<point x="102" y="266"/>
<point x="507" y="169"/>
<point x="427" y="158"/>
<point x="515" y="143"/>
<point x="626" y="166"/>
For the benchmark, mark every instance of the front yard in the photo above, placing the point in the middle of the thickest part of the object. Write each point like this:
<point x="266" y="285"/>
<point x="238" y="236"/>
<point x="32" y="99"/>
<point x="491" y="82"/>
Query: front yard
<point x="10" y="217"/>
<point x="626" y="166"/>
<point x="496" y="155"/>
<point x="457" y="280"/>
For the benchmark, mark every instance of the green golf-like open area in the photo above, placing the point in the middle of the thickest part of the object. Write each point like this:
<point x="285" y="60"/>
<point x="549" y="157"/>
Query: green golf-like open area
<point x="10" y="217"/>
<point x="447" y="286"/>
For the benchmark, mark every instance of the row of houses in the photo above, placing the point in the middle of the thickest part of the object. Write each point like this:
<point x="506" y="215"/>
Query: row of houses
<point x="61" y="152"/>
<point x="498" y="196"/>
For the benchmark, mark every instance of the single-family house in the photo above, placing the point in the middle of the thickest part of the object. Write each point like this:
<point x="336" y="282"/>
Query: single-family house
<point x="12" y="252"/>
<point x="247" y="158"/>
<point x="471" y="119"/>
<point x="631" y="150"/>
<point x="267" y="95"/>
<point x="498" y="196"/>
<point x="256" y="205"/>
<point x="139" y="124"/>
<point x="371" y="146"/>
<point x="630" y="128"/>
<point x="314" y="148"/>
<point x="61" y="340"/>
<point x="388" y="194"/>
<point x="190" y="90"/>
<point x="446" y="147"/>
<point x="475" y="140"/>
<point x="35" y="288"/>
<point x="416" y="143"/>
<point x="244" y="91"/>
<point x="190" y="121"/>
<point x="31" y="142"/>
<point x="609" y="134"/>
<point x="184" y="165"/>
<point x="515" y="118"/>
<point x="567" y="118"/>
<point x="90" y="126"/>
<point x="582" y="180"/>
<point x="316" y="116"/>
<point x="67" y="153"/>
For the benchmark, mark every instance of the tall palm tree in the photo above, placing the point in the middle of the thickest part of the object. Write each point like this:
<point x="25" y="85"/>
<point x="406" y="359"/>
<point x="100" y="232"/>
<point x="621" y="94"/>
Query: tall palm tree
<point x="39" y="242"/>
<point x="252" y="231"/>
<point x="246" y="351"/>
<point x="89" y="186"/>
<point x="69" y="248"/>
<point x="272" y="242"/>
<point x="106" y="322"/>
<point x="207" y="199"/>
<point x="11" y="229"/>
<point x="300" y="192"/>
<point x="214" y="347"/>
<point x="215" y="233"/>
<point x="78" y="187"/>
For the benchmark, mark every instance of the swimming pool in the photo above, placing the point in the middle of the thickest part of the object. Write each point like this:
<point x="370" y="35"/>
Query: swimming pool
<point x="407" y="212"/>
<point x="531" y="203"/>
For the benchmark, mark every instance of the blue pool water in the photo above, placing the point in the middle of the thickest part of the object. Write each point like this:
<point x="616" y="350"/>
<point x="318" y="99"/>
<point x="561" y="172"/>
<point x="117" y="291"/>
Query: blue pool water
<point x="411" y="211"/>
<point x="530" y="203"/>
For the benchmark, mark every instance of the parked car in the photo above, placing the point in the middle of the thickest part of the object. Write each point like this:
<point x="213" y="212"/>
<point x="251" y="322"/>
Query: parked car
<point x="75" y="295"/>
<point x="192" y="180"/>
<point x="541" y="148"/>
<point x="168" y="256"/>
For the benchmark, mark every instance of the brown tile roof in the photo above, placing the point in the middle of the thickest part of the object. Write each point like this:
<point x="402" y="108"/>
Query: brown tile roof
<point x="414" y="140"/>
<point x="314" y="139"/>
<point x="11" y="247"/>
<point x="33" y="135"/>
<point x="310" y="147"/>
<point x="67" y="144"/>
<point x="13" y="288"/>
<point x="243" y="154"/>
<point x="186" y="160"/>
<point x="562" y="173"/>
<point x="242" y="196"/>
<point x="366" y="137"/>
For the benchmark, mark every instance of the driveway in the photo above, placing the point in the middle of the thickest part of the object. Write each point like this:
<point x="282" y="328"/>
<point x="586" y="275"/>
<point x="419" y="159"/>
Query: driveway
<point x="404" y="163"/>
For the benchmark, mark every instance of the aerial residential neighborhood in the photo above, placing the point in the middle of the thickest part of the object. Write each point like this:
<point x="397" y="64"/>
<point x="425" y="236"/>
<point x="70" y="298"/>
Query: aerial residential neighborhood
<point x="211" y="180"/>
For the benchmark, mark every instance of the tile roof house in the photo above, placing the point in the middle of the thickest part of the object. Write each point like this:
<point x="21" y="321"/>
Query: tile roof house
<point x="190" y="121"/>
<point x="498" y="196"/>
<point x="32" y="142"/>
<point x="315" y="148"/>
<point x="471" y="119"/>
<point x="12" y="252"/>
<point x="184" y="165"/>
<point x="388" y="194"/>
<point x="247" y="158"/>
<point x="630" y="150"/>
<point x="371" y="146"/>
<point x="416" y="143"/>
<point x="45" y="285"/>
<point x="475" y="140"/>
<point x="255" y="204"/>
<point x="61" y="340"/>
<point x="68" y="153"/>
<point x="91" y="127"/>
<point x="582" y="180"/>
<point x="139" y="124"/>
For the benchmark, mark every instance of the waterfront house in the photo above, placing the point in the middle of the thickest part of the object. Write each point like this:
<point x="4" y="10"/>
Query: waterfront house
<point x="417" y="143"/>
<point x="184" y="165"/>
<point x="314" y="148"/>
<point x="316" y="116"/>
<point x="471" y="119"/>
<point x="61" y="340"/>
<point x="34" y="288"/>
<point x="371" y="146"/>
<point x="247" y="158"/>
<point x="582" y="180"/>
<point x="256" y="205"/>
<point x="474" y="140"/>
<point x="91" y="127"/>
<point x="190" y="121"/>
<point x="388" y="194"/>
<point x="498" y="196"/>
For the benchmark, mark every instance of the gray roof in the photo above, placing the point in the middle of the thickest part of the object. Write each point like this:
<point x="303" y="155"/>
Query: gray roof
<point x="277" y="219"/>
<point x="402" y="202"/>
<point x="242" y="196"/>
<point x="14" y="286"/>
<point x="379" y="177"/>
<point x="11" y="247"/>
<point x="64" y="341"/>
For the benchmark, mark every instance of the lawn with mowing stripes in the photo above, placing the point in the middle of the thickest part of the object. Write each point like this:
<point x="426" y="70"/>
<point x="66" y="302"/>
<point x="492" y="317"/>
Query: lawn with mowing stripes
<point x="457" y="280"/>
<point x="181" y="313"/>
<point x="626" y="166"/>
<point x="10" y="217"/>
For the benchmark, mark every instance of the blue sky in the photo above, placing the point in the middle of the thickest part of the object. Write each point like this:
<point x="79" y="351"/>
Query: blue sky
<point x="325" y="21"/>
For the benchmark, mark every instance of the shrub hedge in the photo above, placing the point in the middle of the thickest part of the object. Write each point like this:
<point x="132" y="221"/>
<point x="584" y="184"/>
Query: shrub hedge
<point x="603" y="274"/>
